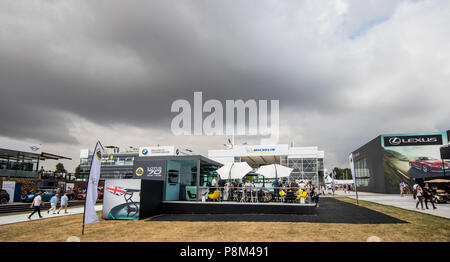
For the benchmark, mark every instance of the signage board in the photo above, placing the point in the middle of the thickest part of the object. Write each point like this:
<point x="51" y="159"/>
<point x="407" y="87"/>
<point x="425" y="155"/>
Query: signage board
<point x="272" y="150"/>
<point x="410" y="156"/>
<point x="20" y="146"/>
<point x="162" y="151"/>
<point x="10" y="187"/>
<point x="149" y="169"/>
<point x="412" y="140"/>
<point x="121" y="199"/>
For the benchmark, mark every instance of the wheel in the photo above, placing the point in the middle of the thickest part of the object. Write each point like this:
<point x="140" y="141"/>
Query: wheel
<point x="425" y="168"/>
<point x="4" y="200"/>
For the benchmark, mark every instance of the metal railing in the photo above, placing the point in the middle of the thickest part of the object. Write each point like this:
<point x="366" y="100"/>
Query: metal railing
<point x="255" y="194"/>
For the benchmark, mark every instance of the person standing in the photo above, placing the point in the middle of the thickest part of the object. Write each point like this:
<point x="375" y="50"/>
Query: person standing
<point x="315" y="195"/>
<point x="276" y="188"/>
<point x="419" y="197"/>
<point x="36" y="204"/>
<point x="402" y="187"/>
<point x="428" y="196"/>
<point x="64" y="203"/>
<point x="53" y="203"/>
<point x="293" y="185"/>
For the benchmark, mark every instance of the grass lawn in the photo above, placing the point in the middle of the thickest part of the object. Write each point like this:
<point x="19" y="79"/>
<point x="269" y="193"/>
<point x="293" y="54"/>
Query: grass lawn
<point x="420" y="227"/>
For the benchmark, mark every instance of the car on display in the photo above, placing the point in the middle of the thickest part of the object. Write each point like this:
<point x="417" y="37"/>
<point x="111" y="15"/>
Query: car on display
<point x="428" y="164"/>
<point x="4" y="196"/>
<point x="82" y="195"/>
<point x="46" y="195"/>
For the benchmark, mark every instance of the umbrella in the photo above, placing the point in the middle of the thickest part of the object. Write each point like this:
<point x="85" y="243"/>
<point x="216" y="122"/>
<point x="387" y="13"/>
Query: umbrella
<point x="234" y="170"/>
<point x="274" y="171"/>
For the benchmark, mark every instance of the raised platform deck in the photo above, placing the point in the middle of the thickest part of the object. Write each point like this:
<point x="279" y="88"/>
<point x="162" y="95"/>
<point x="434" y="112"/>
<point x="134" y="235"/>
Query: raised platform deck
<point x="193" y="207"/>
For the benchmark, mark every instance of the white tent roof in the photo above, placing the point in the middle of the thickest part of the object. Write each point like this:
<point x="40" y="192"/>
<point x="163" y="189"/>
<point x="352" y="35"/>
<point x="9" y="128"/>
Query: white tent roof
<point x="238" y="170"/>
<point x="274" y="170"/>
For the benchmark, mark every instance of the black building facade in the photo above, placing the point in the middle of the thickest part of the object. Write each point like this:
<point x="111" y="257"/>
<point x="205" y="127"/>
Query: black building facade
<point x="387" y="160"/>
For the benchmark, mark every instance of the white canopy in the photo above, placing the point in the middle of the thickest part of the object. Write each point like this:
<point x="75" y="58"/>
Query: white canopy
<point x="234" y="170"/>
<point x="274" y="171"/>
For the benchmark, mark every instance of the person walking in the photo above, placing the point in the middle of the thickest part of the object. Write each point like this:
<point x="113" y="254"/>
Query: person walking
<point x="64" y="203"/>
<point x="428" y="196"/>
<point x="36" y="204"/>
<point x="406" y="189"/>
<point x="53" y="203"/>
<point x="419" y="197"/>
<point x="415" y="189"/>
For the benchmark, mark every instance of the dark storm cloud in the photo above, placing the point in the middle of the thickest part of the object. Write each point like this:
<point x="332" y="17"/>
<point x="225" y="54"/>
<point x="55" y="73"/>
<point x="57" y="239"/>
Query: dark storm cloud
<point x="191" y="48"/>
<point x="330" y="64"/>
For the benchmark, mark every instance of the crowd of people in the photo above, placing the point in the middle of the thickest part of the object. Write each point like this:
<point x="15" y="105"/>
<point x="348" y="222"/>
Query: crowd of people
<point x="423" y="194"/>
<point x="279" y="191"/>
<point x="60" y="197"/>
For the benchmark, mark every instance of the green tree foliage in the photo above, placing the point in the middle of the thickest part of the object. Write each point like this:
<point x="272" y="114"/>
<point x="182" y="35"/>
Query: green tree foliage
<point x="342" y="173"/>
<point x="60" y="169"/>
<point x="78" y="173"/>
<point x="77" y="169"/>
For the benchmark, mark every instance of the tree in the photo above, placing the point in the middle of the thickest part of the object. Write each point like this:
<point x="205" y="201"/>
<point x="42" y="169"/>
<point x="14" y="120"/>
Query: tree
<point x="60" y="169"/>
<point x="78" y="172"/>
<point x="342" y="173"/>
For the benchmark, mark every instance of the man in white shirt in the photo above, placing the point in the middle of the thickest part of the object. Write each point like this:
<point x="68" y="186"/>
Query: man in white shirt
<point x="36" y="204"/>
<point x="214" y="182"/>
<point x="302" y="185"/>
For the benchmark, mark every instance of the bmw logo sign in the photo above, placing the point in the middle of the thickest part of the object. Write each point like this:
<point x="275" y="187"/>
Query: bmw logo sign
<point x="144" y="151"/>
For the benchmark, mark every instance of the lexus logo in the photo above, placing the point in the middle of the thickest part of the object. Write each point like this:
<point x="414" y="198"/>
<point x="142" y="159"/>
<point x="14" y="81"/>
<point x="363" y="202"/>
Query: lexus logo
<point x="413" y="140"/>
<point x="395" y="141"/>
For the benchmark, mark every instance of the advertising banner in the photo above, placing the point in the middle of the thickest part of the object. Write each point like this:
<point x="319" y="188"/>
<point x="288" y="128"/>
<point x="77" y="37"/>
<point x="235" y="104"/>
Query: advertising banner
<point x="90" y="214"/>
<point x="352" y="168"/>
<point x="20" y="146"/>
<point x="257" y="150"/>
<point x="149" y="169"/>
<point x="10" y="187"/>
<point x="410" y="156"/>
<point x="121" y="199"/>
<point x="162" y="151"/>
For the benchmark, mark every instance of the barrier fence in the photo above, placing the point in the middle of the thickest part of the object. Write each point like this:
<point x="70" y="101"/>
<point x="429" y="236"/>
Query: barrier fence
<point x="257" y="194"/>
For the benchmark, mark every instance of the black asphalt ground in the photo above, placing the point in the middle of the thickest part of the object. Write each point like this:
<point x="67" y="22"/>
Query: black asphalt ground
<point x="330" y="211"/>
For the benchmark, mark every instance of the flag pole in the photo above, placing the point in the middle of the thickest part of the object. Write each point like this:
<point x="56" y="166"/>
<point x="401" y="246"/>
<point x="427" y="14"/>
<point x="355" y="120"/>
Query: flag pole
<point x="87" y="187"/>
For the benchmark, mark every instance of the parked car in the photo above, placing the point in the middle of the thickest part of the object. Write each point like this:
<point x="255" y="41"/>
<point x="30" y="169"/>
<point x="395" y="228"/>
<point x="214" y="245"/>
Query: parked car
<point x="82" y="195"/>
<point x="46" y="195"/>
<point x="4" y="196"/>
<point x="428" y="164"/>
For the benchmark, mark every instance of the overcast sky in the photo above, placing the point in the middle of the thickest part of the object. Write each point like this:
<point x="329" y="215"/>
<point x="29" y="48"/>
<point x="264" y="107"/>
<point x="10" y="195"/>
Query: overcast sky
<point x="74" y="72"/>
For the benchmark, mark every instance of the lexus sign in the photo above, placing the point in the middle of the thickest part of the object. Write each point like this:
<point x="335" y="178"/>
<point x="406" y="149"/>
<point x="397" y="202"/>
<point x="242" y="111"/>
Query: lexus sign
<point x="418" y="140"/>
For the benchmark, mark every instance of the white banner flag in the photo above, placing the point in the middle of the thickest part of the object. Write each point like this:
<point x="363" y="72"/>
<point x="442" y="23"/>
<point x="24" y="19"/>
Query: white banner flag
<point x="90" y="215"/>
<point x="352" y="168"/>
